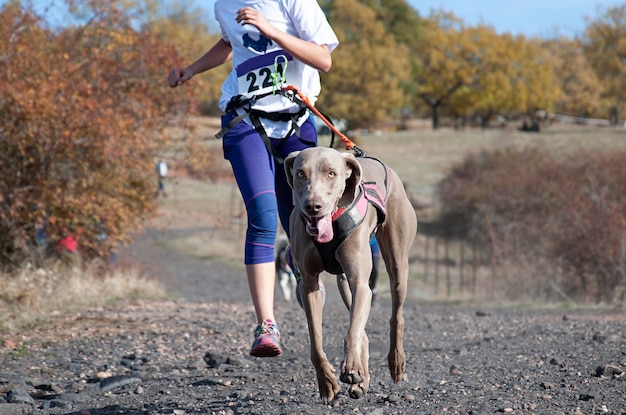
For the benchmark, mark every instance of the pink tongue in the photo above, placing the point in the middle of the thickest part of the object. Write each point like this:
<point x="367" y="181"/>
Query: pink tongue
<point x="325" y="229"/>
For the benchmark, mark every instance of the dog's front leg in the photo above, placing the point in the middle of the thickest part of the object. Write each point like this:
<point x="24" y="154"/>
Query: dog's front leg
<point x="354" y="370"/>
<point x="313" y="304"/>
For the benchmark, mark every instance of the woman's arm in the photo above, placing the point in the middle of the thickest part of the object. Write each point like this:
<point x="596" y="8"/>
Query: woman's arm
<point x="220" y="53"/>
<point x="317" y="56"/>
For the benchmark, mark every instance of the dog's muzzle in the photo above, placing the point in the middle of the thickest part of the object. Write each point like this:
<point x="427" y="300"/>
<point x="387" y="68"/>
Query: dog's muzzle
<point x="319" y="228"/>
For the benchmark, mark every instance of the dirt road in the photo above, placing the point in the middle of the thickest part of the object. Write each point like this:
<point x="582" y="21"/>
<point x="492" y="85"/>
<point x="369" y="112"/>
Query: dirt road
<point x="189" y="356"/>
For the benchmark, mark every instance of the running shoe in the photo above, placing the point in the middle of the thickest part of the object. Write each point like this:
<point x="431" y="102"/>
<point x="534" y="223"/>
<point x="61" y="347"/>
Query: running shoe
<point x="266" y="340"/>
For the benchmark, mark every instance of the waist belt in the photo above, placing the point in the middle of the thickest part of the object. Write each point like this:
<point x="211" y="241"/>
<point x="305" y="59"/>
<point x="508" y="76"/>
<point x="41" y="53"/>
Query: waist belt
<point x="245" y="104"/>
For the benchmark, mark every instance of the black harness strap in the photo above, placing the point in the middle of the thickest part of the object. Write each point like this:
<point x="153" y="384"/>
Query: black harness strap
<point x="239" y="102"/>
<point x="256" y="122"/>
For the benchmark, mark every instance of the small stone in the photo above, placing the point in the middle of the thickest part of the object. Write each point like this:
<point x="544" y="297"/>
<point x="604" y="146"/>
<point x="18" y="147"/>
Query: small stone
<point x="612" y="371"/>
<point x="394" y="397"/>
<point x="20" y="396"/>
<point x="15" y="409"/>
<point x="104" y="374"/>
<point x="600" y="338"/>
<point x="117" y="381"/>
<point x="9" y="344"/>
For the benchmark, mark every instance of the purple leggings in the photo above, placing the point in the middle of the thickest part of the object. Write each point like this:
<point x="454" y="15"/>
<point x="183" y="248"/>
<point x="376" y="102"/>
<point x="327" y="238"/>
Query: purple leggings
<point x="263" y="183"/>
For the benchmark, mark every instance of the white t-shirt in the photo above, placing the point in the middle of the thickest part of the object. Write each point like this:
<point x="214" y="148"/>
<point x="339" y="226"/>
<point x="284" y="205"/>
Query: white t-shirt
<point x="256" y="58"/>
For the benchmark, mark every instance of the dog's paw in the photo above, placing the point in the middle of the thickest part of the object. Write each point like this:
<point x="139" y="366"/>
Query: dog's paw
<point x="397" y="365"/>
<point x="329" y="389"/>
<point x="351" y="378"/>
<point x="357" y="391"/>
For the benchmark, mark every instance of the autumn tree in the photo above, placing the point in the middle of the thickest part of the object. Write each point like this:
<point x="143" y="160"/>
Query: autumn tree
<point x="447" y="57"/>
<point x="183" y="27"/>
<point x="406" y="25"/>
<point x="363" y="85"/>
<point x="491" y="88"/>
<point x="515" y="76"/>
<point x="579" y="88"/>
<point x="82" y="114"/>
<point x="604" y="44"/>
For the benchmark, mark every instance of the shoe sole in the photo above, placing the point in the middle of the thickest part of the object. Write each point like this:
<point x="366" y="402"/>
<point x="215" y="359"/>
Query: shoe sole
<point x="266" y="350"/>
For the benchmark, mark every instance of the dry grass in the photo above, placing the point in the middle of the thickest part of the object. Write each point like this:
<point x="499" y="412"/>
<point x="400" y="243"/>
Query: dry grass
<point x="33" y="295"/>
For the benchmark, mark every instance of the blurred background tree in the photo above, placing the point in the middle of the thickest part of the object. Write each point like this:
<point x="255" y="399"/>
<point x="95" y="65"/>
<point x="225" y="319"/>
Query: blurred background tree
<point x="83" y="113"/>
<point x="604" y="45"/>
<point x="364" y="84"/>
<point x="579" y="88"/>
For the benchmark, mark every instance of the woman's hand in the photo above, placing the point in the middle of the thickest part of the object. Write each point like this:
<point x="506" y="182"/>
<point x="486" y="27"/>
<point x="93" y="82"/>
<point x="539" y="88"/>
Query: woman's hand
<point x="178" y="76"/>
<point x="248" y="15"/>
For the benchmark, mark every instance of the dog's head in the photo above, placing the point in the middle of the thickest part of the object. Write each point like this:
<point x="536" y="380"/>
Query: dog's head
<point x="322" y="180"/>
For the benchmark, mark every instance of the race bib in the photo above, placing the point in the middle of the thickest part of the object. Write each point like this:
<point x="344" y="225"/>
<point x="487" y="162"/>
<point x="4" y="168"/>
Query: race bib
<point x="265" y="74"/>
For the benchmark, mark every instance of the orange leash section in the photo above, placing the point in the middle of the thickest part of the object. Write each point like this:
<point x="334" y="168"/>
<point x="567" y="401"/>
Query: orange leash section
<point x="306" y="101"/>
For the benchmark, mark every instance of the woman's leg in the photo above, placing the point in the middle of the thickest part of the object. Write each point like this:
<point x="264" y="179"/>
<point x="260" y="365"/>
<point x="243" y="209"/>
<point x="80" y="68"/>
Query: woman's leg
<point x="254" y="171"/>
<point x="261" y="280"/>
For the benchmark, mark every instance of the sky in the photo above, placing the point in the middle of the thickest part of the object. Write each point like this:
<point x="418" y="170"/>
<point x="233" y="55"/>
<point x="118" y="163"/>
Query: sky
<point x="532" y="18"/>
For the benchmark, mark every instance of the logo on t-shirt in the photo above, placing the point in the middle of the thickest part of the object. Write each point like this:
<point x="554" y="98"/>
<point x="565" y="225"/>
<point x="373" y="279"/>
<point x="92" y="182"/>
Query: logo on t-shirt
<point x="259" y="45"/>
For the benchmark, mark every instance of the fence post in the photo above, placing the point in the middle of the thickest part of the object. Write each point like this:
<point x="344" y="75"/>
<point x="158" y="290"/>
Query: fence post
<point x="461" y="265"/>
<point x="447" y="264"/>
<point x="436" y="265"/>
<point x="474" y="267"/>
<point x="426" y="259"/>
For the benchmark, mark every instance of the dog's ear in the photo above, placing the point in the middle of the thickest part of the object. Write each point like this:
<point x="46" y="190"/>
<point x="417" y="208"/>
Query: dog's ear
<point x="353" y="178"/>
<point x="291" y="158"/>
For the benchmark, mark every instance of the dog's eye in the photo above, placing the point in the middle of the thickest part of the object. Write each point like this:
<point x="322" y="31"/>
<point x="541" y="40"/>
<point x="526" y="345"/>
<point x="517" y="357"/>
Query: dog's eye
<point x="300" y="174"/>
<point x="332" y="173"/>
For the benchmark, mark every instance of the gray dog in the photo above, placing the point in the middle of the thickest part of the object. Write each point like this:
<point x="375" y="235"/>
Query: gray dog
<point x="340" y="202"/>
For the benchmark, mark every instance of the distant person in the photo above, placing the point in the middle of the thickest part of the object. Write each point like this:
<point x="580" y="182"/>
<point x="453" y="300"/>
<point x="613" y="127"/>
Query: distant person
<point x="161" y="169"/>
<point x="67" y="247"/>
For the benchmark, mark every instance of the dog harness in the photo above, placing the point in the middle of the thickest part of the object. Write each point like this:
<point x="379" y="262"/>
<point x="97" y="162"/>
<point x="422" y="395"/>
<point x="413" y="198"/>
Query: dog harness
<point x="346" y="220"/>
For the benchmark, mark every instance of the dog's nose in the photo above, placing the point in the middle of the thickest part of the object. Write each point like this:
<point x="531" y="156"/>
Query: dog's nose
<point x="313" y="207"/>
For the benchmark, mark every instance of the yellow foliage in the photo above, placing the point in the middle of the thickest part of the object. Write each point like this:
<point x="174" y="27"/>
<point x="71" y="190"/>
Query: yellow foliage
<point x="364" y="84"/>
<point x="604" y="44"/>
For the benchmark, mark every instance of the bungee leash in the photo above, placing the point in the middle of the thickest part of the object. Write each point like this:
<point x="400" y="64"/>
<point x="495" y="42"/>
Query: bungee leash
<point x="295" y="95"/>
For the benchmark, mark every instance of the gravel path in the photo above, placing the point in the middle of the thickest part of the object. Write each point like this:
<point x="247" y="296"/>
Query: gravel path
<point x="189" y="356"/>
